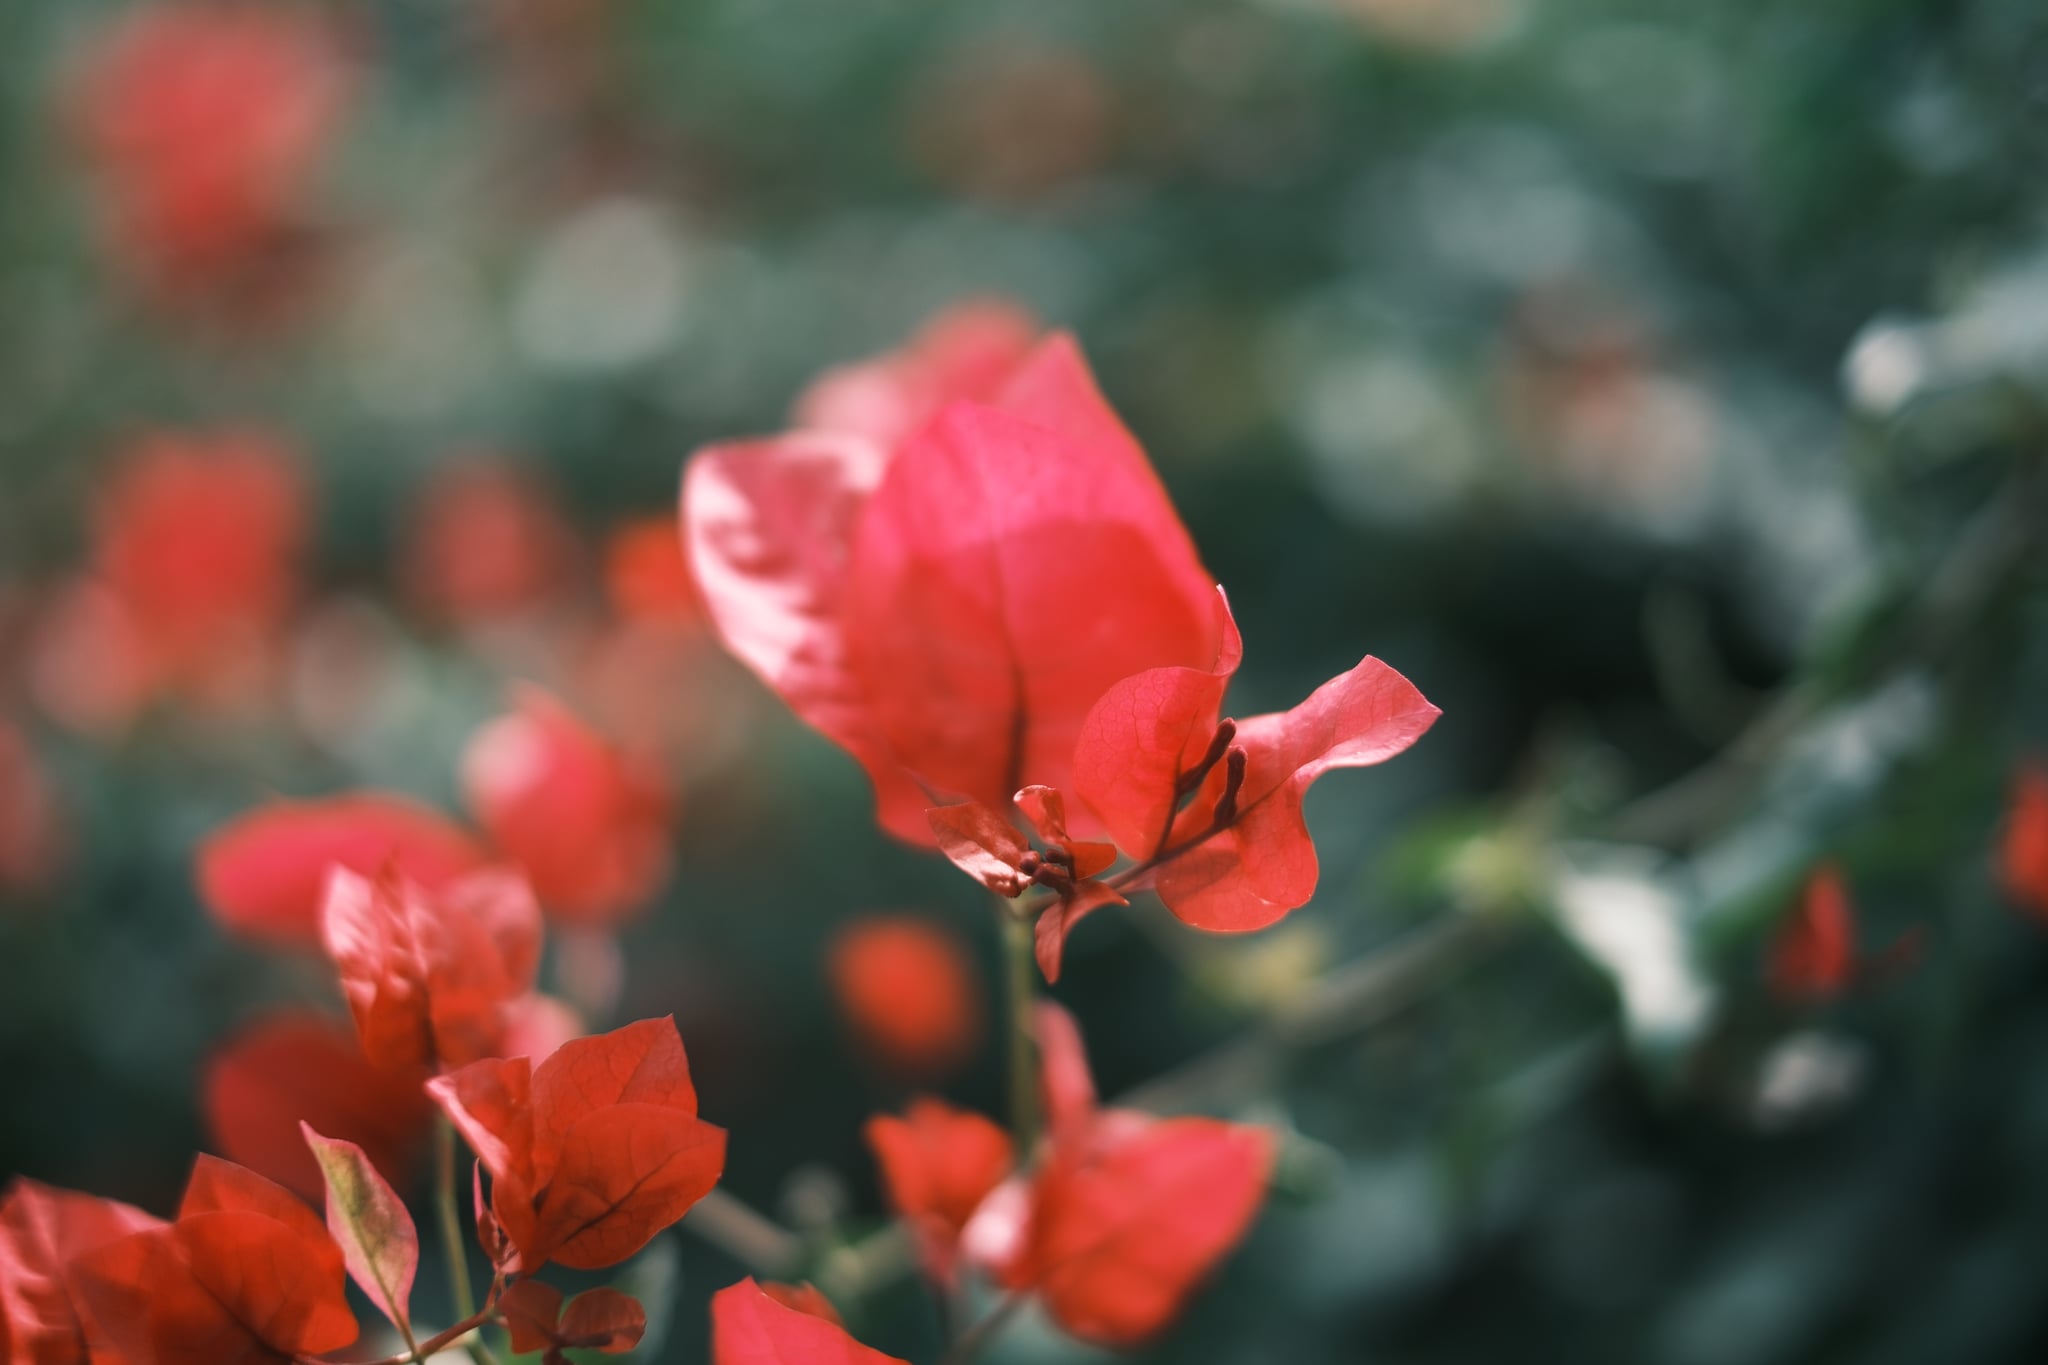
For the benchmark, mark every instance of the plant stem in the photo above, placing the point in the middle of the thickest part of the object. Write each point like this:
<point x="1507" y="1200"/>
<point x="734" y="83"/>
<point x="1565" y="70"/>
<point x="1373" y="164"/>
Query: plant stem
<point x="1020" y="971"/>
<point x="745" y="1234"/>
<point x="452" y="1240"/>
<point x="968" y="1345"/>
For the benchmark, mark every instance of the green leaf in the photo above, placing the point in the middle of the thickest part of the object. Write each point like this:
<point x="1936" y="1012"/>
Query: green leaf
<point x="378" y="1242"/>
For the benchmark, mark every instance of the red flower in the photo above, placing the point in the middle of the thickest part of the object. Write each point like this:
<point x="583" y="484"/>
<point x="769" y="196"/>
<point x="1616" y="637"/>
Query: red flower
<point x="646" y="576"/>
<point x="593" y="1151"/>
<point x="588" y="827"/>
<point x="1121" y="1220"/>
<point x="908" y="991"/>
<point x="1212" y="807"/>
<point x="42" y="1231"/>
<point x="749" y="1326"/>
<point x="938" y="1165"/>
<point x="486" y="541"/>
<point x="247" y="1275"/>
<point x="431" y="976"/>
<point x="1813" y="956"/>
<point x="31" y="828"/>
<point x="990" y="849"/>
<point x="264" y="872"/>
<point x="2023" y="855"/>
<point x="948" y="606"/>
<point x="205" y="122"/>
<point x="197" y="535"/>
<point x="299" y="1066"/>
<point x="596" y="1320"/>
<point x="967" y="352"/>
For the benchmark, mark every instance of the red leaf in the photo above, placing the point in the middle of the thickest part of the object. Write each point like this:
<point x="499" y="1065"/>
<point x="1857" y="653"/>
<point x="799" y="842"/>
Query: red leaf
<point x="596" y="1320"/>
<point x="968" y="351"/>
<point x="804" y="1298"/>
<point x="748" y="1327"/>
<point x="589" y="829"/>
<point x="431" y="976"/>
<point x="909" y="993"/>
<point x="530" y="1309"/>
<point x="593" y="1152"/>
<point x="603" y="1320"/>
<point x="299" y="1066"/>
<point x="1813" y="956"/>
<point x="938" y="1164"/>
<point x="368" y="1221"/>
<point x="1057" y="921"/>
<point x="217" y="1289"/>
<point x="2023" y="852"/>
<point x="42" y="1230"/>
<point x="625" y="1173"/>
<point x="1126" y="1225"/>
<point x="217" y="1186"/>
<point x="981" y="843"/>
<point x="491" y="1105"/>
<point x="264" y="873"/>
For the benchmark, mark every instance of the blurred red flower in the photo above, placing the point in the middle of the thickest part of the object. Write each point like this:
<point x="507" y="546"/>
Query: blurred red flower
<point x="197" y="537"/>
<point x="204" y="123"/>
<point x="486" y="541"/>
<point x="948" y="605"/>
<point x="31" y="824"/>
<point x="588" y="825"/>
<point x="753" y="1325"/>
<point x="908" y="991"/>
<point x="645" y="574"/>
<point x="2023" y="853"/>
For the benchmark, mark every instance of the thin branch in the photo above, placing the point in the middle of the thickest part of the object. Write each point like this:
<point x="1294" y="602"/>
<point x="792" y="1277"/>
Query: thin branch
<point x="970" y="1342"/>
<point x="745" y="1234"/>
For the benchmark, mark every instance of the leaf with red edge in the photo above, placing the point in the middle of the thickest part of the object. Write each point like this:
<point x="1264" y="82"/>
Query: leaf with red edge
<point x="42" y="1230"/>
<point x="769" y="526"/>
<point x="587" y="825"/>
<point x="1265" y="864"/>
<point x="625" y="1173"/>
<point x="264" y="873"/>
<point x="910" y="995"/>
<point x="968" y="351"/>
<point x="2023" y="849"/>
<point x="981" y="843"/>
<point x="368" y="1221"/>
<point x="1127" y="1224"/>
<point x="804" y="1298"/>
<point x="230" y="1288"/>
<point x="748" y="1327"/>
<point x="1813" y="955"/>
<point x="431" y="975"/>
<point x="938" y="1164"/>
<point x="296" y="1066"/>
<point x="1004" y="575"/>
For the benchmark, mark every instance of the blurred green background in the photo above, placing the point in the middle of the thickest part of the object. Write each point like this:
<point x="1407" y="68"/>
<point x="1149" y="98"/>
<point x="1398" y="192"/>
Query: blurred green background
<point x="1661" y="387"/>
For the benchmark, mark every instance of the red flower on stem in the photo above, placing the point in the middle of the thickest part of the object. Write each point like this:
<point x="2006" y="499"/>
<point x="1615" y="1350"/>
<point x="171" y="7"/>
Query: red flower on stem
<point x="948" y="604"/>
<point x="1119" y="1221"/>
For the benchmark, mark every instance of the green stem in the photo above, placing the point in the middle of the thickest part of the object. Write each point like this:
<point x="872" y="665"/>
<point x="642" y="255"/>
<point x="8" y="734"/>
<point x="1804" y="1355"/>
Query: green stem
<point x="452" y="1241"/>
<point x="1021" y="971"/>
